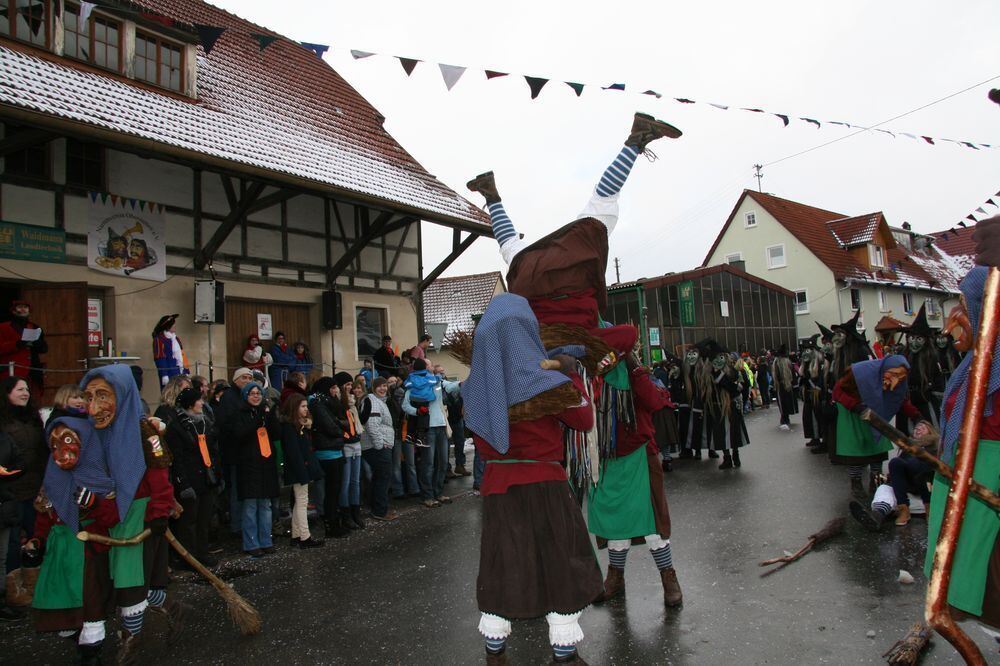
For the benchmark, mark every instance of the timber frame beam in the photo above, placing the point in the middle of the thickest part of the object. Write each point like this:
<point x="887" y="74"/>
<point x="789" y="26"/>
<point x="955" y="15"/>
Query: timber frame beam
<point x="238" y="212"/>
<point x="458" y="246"/>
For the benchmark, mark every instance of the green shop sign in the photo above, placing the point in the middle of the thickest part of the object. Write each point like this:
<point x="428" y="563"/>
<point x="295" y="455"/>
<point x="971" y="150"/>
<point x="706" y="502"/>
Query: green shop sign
<point x="685" y="292"/>
<point x="31" y="243"/>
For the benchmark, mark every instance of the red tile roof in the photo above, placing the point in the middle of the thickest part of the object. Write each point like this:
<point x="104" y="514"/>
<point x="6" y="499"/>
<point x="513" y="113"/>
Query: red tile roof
<point x="455" y="300"/>
<point x="853" y="231"/>
<point x="932" y="269"/>
<point x="957" y="243"/>
<point x="283" y="111"/>
<point x="889" y="323"/>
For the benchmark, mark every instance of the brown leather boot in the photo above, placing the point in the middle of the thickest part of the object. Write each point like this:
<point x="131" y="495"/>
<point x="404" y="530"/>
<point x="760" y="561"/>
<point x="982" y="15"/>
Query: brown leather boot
<point x="672" y="595"/>
<point x="614" y="584"/>
<point x="903" y="515"/>
<point x="29" y="577"/>
<point x="173" y="611"/>
<point x="646" y="129"/>
<point x="17" y="595"/>
<point x="485" y="184"/>
<point x="497" y="659"/>
<point x="129" y="647"/>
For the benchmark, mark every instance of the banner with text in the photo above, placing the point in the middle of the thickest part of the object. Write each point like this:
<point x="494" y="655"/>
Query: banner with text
<point x="127" y="237"/>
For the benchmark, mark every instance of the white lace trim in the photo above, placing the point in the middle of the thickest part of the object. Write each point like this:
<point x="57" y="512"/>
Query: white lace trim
<point x="619" y="544"/>
<point x="494" y="626"/>
<point x="92" y="632"/>
<point x="656" y="542"/>
<point x="564" y="629"/>
<point x="129" y="611"/>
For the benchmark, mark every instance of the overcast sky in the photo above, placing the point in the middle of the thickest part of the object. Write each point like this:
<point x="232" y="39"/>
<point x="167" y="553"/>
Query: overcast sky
<point x="858" y="62"/>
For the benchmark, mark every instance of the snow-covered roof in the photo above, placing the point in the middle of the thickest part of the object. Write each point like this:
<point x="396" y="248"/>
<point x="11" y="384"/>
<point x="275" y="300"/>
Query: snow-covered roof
<point x="281" y="110"/>
<point x="852" y="231"/>
<point x="455" y="300"/>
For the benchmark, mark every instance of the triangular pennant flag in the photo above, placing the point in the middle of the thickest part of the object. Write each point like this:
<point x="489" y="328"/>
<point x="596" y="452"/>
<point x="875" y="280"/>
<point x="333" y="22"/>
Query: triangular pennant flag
<point x="993" y="200"/>
<point x="810" y="120"/>
<point x="615" y="86"/>
<point x="783" y="117"/>
<point x="264" y="40"/>
<point x="684" y="100"/>
<point x="490" y="74"/>
<point x="358" y="55"/>
<point x="451" y="74"/>
<point x="653" y="93"/>
<point x="970" y="217"/>
<point x="908" y="135"/>
<point x="142" y="205"/>
<point x="318" y="49"/>
<point x="114" y="199"/>
<point x="536" y="84"/>
<point x="754" y="110"/>
<point x="158" y="18"/>
<point x="962" y="224"/>
<point x="928" y="139"/>
<point x="968" y="145"/>
<point x="980" y="210"/>
<point x="104" y="197"/>
<point x="577" y="87"/>
<point x="85" y="9"/>
<point x="719" y="106"/>
<point x="408" y="64"/>
<point x="208" y="34"/>
<point x="93" y="197"/>
<point x="132" y="203"/>
<point x="837" y="122"/>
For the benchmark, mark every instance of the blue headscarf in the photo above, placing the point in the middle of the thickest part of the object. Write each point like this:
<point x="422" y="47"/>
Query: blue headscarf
<point x="122" y="439"/>
<point x="972" y="287"/>
<point x="506" y="354"/>
<point x="91" y="471"/>
<point x="868" y="375"/>
<point x="245" y="391"/>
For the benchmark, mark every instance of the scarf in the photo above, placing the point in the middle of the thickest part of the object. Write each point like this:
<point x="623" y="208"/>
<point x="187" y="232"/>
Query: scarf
<point x="91" y="471"/>
<point x="972" y="287"/>
<point x="505" y="370"/>
<point x="122" y="440"/>
<point x="868" y="375"/>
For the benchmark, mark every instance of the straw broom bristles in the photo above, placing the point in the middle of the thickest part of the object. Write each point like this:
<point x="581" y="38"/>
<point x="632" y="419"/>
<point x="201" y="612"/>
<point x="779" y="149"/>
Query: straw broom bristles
<point x="243" y="614"/>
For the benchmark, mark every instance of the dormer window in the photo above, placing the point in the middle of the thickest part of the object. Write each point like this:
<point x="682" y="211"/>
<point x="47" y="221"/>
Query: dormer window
<point x="98" y="40"/>
<point x="26" y="20"/>
<point x="876" y="256"/>
<point x="159" y="61"/>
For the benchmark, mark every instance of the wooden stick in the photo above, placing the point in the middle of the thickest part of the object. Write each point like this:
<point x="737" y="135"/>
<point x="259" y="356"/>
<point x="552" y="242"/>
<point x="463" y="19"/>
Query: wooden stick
<point x="908" y="648"/>
<point x="830" y="530"/>
<point x="902" y="441"/>
<point x="83" y="535"/>
<point x="243" y="614"/>
<point x="936" y="609"/>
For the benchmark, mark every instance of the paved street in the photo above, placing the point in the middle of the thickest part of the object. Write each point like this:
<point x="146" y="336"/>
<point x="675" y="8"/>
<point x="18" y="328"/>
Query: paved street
<point x="404" y="593"/>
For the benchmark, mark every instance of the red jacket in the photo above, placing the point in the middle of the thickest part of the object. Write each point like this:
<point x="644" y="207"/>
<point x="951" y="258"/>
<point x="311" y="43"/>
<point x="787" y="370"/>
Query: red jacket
<point x="11" y="350"/>
<point x="647" y="398"/>
<point x="156" y="486"/>
<point x="104" y="513"/>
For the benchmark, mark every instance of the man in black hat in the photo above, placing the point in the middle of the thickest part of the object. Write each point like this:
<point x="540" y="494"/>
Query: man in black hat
<point x="926" y="378"/>
<point x="168" y="353"/>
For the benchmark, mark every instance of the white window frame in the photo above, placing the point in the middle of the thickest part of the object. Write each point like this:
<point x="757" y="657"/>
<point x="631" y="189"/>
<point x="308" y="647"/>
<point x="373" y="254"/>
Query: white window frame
<point x="932" y="308"/>
<point x="373" y="306"/>
<point x="876" y="255"/>
<point x="883" y="301"/>
<point x="798" y="310"/>
<point x="908" y="302"/>
<point x="767" y="257"/>
<point x="851" y="296"/>
<point x="750" y="219"/>
<point x="735" y="256"/>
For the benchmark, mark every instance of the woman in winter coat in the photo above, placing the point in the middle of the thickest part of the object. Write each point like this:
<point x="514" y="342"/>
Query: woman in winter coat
<point x="256" y="470"/>
<point x="376" y="446"/>
<point x="301" y="464"/>
<point x="194" y="472"/>
<point x="167" y="408"/>
<point x="328" y="442"/>
<point x="301" y="360"/>
<point x="350" y="487"/>
<point x="20" y="421"/>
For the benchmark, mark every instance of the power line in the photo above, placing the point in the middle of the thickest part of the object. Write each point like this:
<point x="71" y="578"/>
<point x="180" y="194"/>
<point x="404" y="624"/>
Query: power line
<point x="879" y="124"/>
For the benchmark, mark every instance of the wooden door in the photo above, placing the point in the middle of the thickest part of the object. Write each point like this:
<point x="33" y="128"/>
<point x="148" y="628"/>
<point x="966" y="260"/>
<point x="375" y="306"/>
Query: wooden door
<point x="292" y="319"/>
<point x="60" y="309"/>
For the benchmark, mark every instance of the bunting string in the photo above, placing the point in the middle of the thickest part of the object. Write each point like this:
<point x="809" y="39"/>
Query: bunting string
<point x="451" y="74"/>
<point x="971" y="217"/>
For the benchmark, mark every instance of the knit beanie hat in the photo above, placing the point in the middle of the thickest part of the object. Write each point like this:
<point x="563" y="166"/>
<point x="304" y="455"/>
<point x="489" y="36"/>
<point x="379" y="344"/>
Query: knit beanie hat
<point x="187" y="398"/>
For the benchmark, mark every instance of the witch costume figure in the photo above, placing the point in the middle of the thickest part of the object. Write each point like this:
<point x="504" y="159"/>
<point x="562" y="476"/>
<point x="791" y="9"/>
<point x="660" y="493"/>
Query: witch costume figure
<point x="812" y="370"/>
<point x="784" y="386"/>
<point x="74" y="593"/>
<point x="850" y="345"/>
<point x="139" y="464"/>
<point x="926" y="379"/>
<point x="725" y="429"/>
<point x="880" y="384"/>
<point x="975" y="575"/>
<point x="536" y="558"/>
<point x="168" y="353"/>
<point x="690" y="412"/>
<point x="563" y="278"/>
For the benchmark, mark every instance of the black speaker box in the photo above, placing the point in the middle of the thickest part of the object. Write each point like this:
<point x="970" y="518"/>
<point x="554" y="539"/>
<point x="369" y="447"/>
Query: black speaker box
<point x="333" y="315"/>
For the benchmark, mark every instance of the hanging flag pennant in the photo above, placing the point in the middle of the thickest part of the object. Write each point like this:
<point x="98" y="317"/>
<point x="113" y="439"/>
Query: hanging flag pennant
<point x="93" y="196"/>
<point x="993" y="200"/>
<point x="409" y="64"/>
<point x="968" y="145"/>
<point x="208" y="34"/>
<point x="886" y="132"/>
<point x="490" y="74"/>
<point x="132" y="202"/>
<point x="908" y="135"/>
<point x="536" y="84"/>
<point x="928" y="139"/>
<point x="653" y="93"/>
<point x="980" y="210"/>
<point x="264" y="40"/>
<point x="783" y="117"/>
<point x="962" y="224"/>
<point x="970" y="217"/>
<point x="615" y="86"/>
<point x="719" y="106"/>
<point x="810" y="120"/>
<point x="837" y="122"/>
<point x="318" y="49"/>
<point x="451" y="74"/>
<point x="683" y="100"/>
<point x="754" y="110"/>
<point x="358" y="55"/>
<point x="85" y="9"/>
<point x="577" y="87"/>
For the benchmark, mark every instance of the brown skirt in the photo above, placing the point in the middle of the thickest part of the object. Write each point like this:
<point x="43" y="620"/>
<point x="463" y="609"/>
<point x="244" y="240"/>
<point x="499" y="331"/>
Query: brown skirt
<point x="155" y="563"/>
<point x="98" y="598"/>
<point x="657" y="495"/>
<point x="535" y="555"/>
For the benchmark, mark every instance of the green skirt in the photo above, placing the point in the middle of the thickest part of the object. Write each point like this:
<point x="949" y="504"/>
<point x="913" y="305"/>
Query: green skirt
<point x="854" y="436"/>
<point x="60" y="582"/>
<point x="978" y="535"/>
<point x="619" y="506"/>
<point x="127" y="569"/>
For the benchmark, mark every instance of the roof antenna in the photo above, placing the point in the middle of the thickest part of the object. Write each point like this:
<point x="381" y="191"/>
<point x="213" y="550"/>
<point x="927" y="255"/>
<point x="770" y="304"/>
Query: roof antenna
<point x="758" y="175"/>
